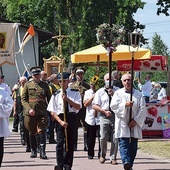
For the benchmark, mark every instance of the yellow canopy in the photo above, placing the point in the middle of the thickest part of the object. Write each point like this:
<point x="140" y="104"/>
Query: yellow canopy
<point x="99" y="53"/>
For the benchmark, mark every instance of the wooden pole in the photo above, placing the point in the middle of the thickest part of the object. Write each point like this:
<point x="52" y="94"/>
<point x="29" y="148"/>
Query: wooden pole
<point x="110" y="52"/>
<point x="60" y="38"/>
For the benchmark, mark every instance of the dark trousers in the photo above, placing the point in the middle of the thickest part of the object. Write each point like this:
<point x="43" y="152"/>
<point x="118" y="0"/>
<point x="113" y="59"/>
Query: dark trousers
<point x="65" y="158"/>
<point x="16" y="122"/>
<point x="92" y="133"/>
<point x="51" y="127"/>
<point x="1" y="149"/>
<point x="80" y="119"/>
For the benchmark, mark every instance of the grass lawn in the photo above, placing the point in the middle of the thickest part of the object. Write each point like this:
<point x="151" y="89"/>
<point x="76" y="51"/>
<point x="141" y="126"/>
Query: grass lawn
<point x="158" y="148"/>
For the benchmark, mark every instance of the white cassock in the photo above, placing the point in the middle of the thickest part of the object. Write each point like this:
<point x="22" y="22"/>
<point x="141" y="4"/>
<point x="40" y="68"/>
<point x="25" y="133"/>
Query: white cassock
<point x="118" y="101"/>
<point x="6" y="104"/>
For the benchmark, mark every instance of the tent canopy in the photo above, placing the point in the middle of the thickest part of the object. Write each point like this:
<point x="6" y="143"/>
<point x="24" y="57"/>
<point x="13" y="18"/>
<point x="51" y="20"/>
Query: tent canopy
<point x="99" y="53"/>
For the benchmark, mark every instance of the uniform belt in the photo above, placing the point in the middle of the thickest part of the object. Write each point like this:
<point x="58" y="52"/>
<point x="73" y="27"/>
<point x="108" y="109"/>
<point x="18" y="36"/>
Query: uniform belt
<point x="36" y="100"/>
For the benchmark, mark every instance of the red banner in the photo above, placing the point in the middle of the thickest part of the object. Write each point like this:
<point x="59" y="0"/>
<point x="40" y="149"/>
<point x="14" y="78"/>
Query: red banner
<point x="155" y="63"/>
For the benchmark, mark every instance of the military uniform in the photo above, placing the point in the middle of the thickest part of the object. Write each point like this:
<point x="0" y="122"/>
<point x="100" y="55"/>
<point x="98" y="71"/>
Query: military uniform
<point x="34" y="97"/>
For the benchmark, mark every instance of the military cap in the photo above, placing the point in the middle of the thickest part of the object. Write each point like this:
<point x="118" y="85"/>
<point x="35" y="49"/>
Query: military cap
<point x="36" y="70"/>
<point x="66" y="76"/>
<point x="79" y="70"/>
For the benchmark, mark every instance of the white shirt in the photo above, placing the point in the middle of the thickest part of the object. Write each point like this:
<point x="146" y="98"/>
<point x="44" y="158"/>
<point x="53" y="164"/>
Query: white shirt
<point x="122" y="113"/>
<point x="56" y="101"/>
<point x="162" y="94"/>
<point x="146" y="88"/>
<point x="90" y="118"/>
<point x="6" y="104"/>
<point x="5" y="87"/>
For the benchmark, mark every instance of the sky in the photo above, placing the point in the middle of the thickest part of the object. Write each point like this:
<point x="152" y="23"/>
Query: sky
<point x="154" y="23"/>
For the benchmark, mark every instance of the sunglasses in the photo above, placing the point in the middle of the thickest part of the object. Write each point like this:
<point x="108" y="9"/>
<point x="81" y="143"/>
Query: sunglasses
<point x="126" y="80"/>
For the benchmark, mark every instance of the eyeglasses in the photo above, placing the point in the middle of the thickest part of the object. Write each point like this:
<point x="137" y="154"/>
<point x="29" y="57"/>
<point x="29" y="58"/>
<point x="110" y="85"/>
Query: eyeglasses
<point x="126" y="80"/>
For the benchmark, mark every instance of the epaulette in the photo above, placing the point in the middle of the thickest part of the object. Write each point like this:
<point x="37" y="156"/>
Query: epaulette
<point x="57" y="92"/>
<point x="74" y="89"/>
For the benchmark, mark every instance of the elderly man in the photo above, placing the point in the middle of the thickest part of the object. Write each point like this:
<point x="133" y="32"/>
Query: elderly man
<point x="101" y="103"/>
<point x="128" y="129"/>
<point x="34" y="99"/>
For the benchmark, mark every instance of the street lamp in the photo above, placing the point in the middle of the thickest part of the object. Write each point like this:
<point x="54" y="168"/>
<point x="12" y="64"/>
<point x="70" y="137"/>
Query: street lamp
<point x="134" y="42"/>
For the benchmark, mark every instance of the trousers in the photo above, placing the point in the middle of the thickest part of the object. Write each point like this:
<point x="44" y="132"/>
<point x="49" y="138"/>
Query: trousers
<point x="128" y="150"/>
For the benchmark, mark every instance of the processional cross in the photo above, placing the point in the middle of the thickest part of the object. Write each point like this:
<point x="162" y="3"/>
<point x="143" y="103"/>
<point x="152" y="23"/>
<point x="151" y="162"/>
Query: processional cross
<point x="60" y="38"/>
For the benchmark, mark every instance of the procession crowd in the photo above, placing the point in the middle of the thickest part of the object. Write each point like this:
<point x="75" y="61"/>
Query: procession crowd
<point x="52" y="108"/>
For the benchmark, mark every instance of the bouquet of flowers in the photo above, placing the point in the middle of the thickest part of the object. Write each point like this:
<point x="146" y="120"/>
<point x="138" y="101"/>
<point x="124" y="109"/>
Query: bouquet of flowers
<point x="110" y="36"/>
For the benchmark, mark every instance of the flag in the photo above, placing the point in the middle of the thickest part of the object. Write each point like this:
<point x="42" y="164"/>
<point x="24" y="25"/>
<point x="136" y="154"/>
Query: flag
<point x="28" y="35"/>
<point x="7" y="42"/>
<point x="26" y="73"/>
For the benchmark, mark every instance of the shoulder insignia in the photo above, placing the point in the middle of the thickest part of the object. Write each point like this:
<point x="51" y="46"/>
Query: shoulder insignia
<point x="57" y="92"/>
<point x="74" y="89"/>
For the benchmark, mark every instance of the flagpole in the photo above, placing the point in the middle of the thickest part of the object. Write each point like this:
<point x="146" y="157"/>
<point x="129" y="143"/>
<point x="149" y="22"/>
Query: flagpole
<point x="34" y="51"/>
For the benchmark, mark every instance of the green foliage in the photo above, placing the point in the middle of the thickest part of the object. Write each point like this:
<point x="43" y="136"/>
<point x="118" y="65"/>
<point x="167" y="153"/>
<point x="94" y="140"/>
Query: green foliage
<point x="164" y="6"/>
<point x="158" y="48"/>
<point x="78" y="19"/>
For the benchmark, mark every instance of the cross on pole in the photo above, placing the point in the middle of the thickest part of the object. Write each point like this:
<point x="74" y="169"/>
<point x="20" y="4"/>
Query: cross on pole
<point x="60" y="38"/>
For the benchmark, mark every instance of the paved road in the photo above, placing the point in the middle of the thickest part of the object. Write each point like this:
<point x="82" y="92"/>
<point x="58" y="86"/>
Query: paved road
<point x="15" y="158"/>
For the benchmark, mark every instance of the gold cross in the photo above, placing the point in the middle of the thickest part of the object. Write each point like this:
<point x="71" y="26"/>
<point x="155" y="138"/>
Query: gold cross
<point x="60" y="38"/>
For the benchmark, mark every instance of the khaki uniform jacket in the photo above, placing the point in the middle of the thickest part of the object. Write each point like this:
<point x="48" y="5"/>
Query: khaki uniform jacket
<point x="35" y="96"/>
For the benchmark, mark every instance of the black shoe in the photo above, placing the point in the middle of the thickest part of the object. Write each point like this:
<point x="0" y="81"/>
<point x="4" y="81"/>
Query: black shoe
<point x="75" y="148"/>
<point x="23" y="142"/>
<point x="43" y="155"/>
<point x="33" y="154"/>
<point x="14" y="130"/>
<point x="52" y="141"/>
<point x="85" y="148"/>
<point x="57" y="168"/>
<point x="90" y="157"/>
<point x="28" y="149"/>
<point x="127" y="166"/>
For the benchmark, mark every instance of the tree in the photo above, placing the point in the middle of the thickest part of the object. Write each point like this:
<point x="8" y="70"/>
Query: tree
<point x="158" y="48"/>
<point x="164" y="6"/>
<point x="78" y="19"/>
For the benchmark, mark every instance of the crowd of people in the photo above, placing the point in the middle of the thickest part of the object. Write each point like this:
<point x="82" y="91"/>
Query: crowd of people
<point x="53" y="107"/>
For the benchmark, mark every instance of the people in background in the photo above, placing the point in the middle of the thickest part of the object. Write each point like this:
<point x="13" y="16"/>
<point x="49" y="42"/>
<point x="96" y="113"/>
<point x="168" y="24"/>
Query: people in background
<point x="154" y="92"/>
<point x="162" y="93"/>
<point x="82" y="86"/>
<point x="146" y="87"/>
<point x="129" y="119"/>
<point x="54" y="86"/>
<point x="116" y="79"/>
<point x="92" y="119"/>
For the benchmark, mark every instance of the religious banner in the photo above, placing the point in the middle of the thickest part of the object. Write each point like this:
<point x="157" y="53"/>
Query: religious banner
<point x="7" y="42"/>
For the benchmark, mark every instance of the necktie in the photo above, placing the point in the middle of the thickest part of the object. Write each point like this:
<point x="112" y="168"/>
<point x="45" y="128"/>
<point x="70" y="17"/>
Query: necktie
<point x="66" y="105"/>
